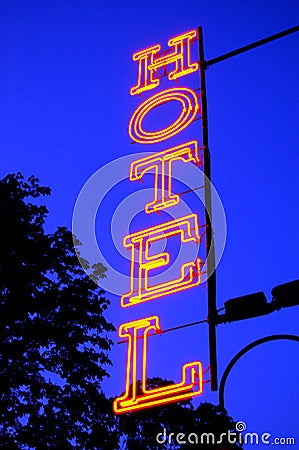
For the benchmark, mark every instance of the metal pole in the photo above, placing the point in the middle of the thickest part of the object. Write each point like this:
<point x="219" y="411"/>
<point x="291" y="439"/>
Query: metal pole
<point x="274" y="337"/>
<point x="211" y="272"/>
<point x="251" y="46"/>
<point x="211" y="269"/>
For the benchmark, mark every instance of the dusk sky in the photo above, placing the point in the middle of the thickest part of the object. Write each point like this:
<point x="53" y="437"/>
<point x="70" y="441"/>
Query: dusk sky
<point x="66" y="72"/>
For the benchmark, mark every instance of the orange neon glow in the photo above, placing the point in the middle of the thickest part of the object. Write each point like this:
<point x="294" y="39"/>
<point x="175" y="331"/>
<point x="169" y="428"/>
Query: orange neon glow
<point x="140" y="290"/>
<point x="192" y="375"/>
<point x="149" y="62"/>
<point x="190" y="107"/>
<point x="161" y="162"/>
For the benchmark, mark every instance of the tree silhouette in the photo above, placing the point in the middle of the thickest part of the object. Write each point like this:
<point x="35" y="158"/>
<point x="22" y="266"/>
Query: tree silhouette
<point x="54" y="344"/>
<point x="53" y="335"/>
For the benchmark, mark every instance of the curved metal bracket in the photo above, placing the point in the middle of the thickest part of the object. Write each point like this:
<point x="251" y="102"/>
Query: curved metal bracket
<point x="274" y="337"/>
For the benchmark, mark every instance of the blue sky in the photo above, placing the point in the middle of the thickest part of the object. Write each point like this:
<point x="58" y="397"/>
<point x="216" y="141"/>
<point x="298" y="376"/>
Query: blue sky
<point x="65" y="76"/>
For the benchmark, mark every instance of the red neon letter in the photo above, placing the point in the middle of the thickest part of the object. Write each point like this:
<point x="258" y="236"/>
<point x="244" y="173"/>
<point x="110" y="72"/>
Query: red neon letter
<point x="149" y="62"/>
<point x="141" y="291"/>
<point x="190" y="108"/>
<point x="161" y="162"/>
<point x="131" y="399"/>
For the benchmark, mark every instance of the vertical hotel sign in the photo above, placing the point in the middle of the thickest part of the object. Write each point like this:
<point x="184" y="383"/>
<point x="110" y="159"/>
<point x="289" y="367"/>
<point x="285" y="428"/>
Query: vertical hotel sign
<point x="153" y="64"/>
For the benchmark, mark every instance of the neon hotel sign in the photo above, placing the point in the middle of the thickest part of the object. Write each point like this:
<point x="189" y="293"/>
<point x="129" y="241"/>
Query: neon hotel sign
<point x="175" y="62"/>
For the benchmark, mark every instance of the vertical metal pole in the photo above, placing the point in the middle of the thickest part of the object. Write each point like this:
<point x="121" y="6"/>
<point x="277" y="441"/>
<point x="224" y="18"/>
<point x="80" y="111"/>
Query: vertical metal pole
<point x="211" y="272"/>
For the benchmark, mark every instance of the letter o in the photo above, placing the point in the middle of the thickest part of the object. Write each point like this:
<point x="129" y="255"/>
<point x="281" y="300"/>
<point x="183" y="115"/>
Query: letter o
<point x="188" y="99"/>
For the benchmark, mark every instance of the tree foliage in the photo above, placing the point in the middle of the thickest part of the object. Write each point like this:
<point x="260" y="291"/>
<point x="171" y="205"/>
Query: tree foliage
<point x="54" y="345"/>
<point x="54" y="339"/>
